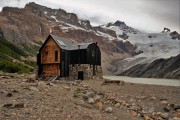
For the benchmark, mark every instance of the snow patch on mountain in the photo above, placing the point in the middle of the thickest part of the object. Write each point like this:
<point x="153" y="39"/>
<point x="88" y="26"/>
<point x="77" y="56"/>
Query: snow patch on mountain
<point x="156" y="45"/>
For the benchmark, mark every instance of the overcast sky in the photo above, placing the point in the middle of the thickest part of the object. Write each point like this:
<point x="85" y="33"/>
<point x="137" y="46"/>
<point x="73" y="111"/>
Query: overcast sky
<point x="148" y="15"/>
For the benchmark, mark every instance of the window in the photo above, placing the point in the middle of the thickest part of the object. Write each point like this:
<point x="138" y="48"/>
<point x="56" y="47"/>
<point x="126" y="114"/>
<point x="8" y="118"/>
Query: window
<point x="56" y="55"/>
<point x="93" y="53"/>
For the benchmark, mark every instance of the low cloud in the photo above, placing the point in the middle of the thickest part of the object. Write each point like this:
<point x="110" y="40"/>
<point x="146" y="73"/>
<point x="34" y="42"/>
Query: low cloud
<point x="148" y="15"/>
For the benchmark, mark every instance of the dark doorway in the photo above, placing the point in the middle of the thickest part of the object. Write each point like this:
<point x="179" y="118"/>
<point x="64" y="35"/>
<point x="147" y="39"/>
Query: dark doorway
<point x="80" y="75"/>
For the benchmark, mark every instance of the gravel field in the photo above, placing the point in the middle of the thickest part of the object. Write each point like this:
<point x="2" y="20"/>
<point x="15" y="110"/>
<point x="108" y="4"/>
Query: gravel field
<point x="21" y="98"/>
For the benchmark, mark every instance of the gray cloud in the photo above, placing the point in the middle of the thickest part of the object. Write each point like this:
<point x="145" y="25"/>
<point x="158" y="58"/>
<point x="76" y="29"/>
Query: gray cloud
<point x="166" y="12"/>
<point x="148" y="15"/>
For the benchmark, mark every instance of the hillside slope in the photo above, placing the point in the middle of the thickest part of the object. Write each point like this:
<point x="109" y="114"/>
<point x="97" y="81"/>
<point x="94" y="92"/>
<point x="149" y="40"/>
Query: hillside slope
<point x="13" y="59"/>
<point x="160" y="68"/>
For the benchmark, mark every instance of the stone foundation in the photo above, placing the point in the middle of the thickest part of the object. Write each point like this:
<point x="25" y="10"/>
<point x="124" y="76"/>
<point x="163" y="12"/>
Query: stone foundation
<point x="87" y="71"/>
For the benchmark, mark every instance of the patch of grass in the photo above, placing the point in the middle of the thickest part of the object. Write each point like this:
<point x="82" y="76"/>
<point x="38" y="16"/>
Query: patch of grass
<point x="32" y="50"/>
<point x="9" y="49"/>
<point x="8" y="52"/>
<point x="14" y="67"/>
<point x="30" y="63"/>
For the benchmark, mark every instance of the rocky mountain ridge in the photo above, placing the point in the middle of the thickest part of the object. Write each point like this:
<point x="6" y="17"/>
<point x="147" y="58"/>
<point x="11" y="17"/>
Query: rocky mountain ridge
<point x="27" y="27"/>
<point x="160" y="68"/>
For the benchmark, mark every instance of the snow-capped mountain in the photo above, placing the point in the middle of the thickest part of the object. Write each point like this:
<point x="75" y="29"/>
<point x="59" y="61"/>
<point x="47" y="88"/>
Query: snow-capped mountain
<point x="149" y="46"/>
<point x="153" y="45"/>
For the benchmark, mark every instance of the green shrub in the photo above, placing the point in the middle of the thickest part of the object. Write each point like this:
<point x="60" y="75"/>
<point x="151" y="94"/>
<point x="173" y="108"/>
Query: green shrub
<point x="14" y="67"/>
<point x="10" y="49"/>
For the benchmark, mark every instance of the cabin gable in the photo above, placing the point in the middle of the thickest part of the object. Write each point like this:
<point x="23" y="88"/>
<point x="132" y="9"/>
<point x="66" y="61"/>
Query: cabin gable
<point x="50" y="52"/>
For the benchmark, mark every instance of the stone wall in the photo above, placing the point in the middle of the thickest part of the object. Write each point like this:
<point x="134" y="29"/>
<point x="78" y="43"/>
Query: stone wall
<point x="87" y="71"/>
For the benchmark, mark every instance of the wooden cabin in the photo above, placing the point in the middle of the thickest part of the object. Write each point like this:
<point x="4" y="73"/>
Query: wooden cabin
<point x="63" y="58"/>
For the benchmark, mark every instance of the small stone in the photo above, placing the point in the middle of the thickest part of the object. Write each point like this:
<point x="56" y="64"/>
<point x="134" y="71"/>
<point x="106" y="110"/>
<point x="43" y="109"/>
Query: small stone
<point x="131" y="100"/>
<point x="159" y="113"/>
<point x="109" y="110"/>
<point x="84" y="97"/>
<point x="133" y="113"/>
<point x="133" y="104"/>
<point x="115" y="118"/>
<point x="165" y="116"/>
<point x="176" y="108"/>
<point x="100" y="105"/>
<point x="91" y="101"/>
<point x="147" y="117"/>
<point x="90" y="94"/>
<point x="24" y="80"/>
<point x="127" y="105"/>
<point x="164" y="102"/>
<point x="117" y="105"/>
<point x="177" y="115"/>
<point x="9" y="95"/>
<point x="34" y="89"/>
<point x="153" y="98"/>
<point x="167" y="108"/>
<point x="175" y="118"/>
<point x="81" y="102"/>
<point x="67" y="88"/>
<point x="153" y="115"/>
<point x="97" y="98"/>
<point x="75" y="95"/>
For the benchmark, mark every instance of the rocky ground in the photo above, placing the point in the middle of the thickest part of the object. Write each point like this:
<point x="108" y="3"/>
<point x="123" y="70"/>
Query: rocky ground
<point x="23" y="98"/>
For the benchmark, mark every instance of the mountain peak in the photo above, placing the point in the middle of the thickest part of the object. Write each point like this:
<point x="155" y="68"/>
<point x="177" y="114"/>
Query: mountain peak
<point x="119" y="23"/>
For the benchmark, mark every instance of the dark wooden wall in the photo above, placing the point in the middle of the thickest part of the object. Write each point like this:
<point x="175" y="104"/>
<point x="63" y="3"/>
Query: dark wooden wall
<point x="65" y="61"/>
<point x="78" y="56"/>
<point x="84" y="56"/>
<point x="96" y="60"/>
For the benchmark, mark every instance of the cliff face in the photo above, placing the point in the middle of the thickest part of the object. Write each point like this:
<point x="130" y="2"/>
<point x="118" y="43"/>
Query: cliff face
<point x="160" y="68"/>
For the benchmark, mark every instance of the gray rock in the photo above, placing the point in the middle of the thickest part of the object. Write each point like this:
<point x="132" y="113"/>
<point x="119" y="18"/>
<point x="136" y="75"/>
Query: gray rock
<point x="109" y="110"/>
<point x="97" y="98"/>
<point x="90" y="94"/>
<point x="153" y="98"/>
<point x="75" y="95"/>
<point x="165" y="116"/>
<point x="91" y="101"/>
<point x="133" y="104"/>
<point x="84" y="97"/>
<point x="132" y="100"/>
<point x="34" y="89"/>
<point x="164" y="102"/>
<point x="176" y="108"/>
<point x="67" y="88"/>
<point x="117" y="105"/>
<point x="167" y="108"/>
